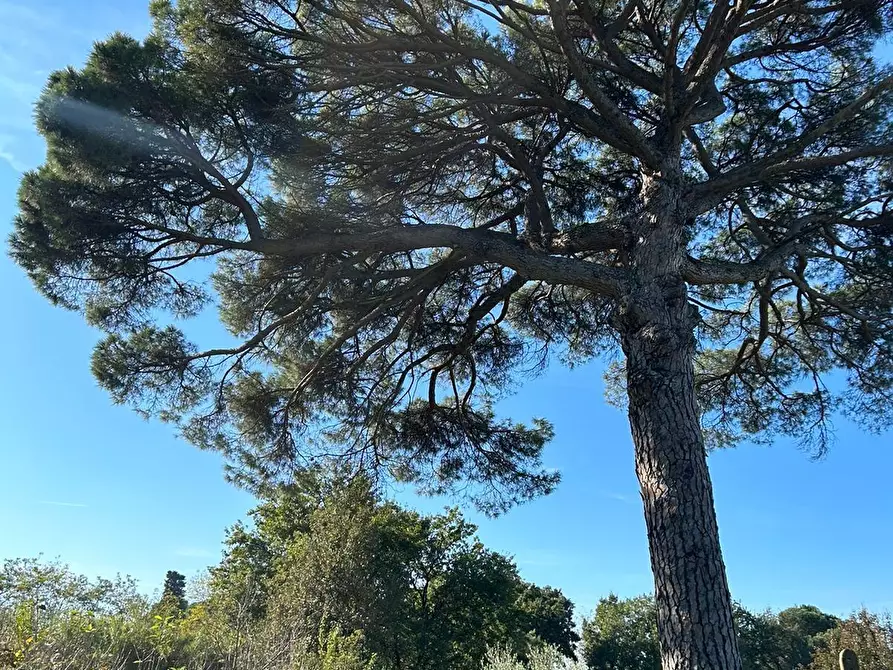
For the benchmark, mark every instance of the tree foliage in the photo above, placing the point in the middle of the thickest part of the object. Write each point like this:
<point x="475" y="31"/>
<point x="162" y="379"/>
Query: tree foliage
<point x="407" y="205"/>
<point x="869" y="634"/>
<point x="421" y="589"/>
<point x="622" y="635"/>
<point x="327" y="576"/>
<point x="550" y="617"/>
<point x="174" y="589"/>
<point x="51" y="617"/>
<point x="54" y="589"/>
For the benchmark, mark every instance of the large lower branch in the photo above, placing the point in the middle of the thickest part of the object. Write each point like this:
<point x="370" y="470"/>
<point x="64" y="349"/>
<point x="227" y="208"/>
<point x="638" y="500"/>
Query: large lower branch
<point x="700" y="271"/>
<point x="485" y="245"/>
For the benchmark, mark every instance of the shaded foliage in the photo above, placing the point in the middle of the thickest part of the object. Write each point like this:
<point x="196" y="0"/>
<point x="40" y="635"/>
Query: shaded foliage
<point x="622" y="635"/>
<point x="175" y="590"/>
<point x="411" y="206"/>
<point x="422" y="590"/>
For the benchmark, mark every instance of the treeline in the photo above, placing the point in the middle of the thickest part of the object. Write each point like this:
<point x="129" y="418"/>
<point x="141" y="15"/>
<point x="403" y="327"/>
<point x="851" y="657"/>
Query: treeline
<point x="330" y="576"/>
<point x="622" y="635"/>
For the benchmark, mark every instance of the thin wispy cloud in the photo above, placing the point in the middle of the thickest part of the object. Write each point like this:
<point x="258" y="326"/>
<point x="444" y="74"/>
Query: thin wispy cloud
<point x="194" y="552"/>
<point x="629" y="500"/>
<point x="10" y="159"/>
<point x="59" y="503"/>
<point x="21" y="91"/>
<point x="540" y="560"/>
<point x="547" y="558"/>
<point x="27" y="17"/>
<point x="33" y="24"/>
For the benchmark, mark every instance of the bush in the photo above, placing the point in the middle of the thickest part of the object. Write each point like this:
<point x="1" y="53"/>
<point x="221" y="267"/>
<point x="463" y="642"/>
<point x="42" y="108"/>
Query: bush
<point x="544" y="657"/>
<point x="869" y="635"/>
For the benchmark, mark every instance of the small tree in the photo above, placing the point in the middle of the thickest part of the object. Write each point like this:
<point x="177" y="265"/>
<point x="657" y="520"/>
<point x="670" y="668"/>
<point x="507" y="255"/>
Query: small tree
<point x="622" y="635"/>
<point x="174" y="591"/>
<point x="412" y="202"/>
<point x="550" y="617"/>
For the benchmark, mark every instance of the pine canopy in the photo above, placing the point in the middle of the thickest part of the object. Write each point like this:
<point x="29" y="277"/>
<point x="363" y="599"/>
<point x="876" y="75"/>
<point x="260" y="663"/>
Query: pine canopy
<point x="407" y="207"/>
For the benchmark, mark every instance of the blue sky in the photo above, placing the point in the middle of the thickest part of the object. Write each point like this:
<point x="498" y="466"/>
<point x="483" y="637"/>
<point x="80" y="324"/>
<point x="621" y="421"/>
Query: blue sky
<point x="109" y="492"/>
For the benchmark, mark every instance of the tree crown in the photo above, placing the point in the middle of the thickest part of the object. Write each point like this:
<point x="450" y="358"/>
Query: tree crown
<point x="406" y="206"/>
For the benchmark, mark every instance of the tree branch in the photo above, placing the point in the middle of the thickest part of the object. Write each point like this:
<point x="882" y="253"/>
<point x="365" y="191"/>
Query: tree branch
<point x="613" y="116"/>
<point x="707" y="194"/>
<point x="485" y="245"/>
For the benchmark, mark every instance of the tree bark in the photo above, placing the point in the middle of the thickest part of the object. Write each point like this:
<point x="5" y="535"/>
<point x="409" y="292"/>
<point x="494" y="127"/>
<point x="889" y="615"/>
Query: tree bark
<point x="656" y="325"/>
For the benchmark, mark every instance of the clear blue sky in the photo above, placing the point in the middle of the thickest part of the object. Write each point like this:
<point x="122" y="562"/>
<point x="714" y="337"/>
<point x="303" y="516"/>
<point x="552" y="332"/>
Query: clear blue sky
<point x="108" y="492"/>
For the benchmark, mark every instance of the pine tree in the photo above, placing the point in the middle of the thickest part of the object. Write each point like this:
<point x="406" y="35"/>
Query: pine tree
<point x="175" y="590"/>
<point x="411" y="204"/>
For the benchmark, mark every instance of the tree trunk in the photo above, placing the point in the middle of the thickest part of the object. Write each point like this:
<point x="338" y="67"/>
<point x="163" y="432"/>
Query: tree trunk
<point x="656" y="326"/>
<point x="693" y="602"/>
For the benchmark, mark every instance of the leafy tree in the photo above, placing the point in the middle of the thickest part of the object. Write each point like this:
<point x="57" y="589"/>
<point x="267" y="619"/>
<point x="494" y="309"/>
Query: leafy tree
<point x="175" y="586"/>
<point x="342" y="573"/>
<point x="785" y="641"/>
<point x="422" y="590"/>
<point x="408" y="202"/>
<point x="551" y="617"/>
<point x="807" y="621"/>
<point x="809" y="627"/>
<point x="169" y="609"/>
<point x="52" y="588"/>
<point x="174" y="591"/>
<point x="622" y="635"/>
<point x="240" y="582"/>
<point x="869" y="634"/>
<point x="767" y="645"/>
<point x="47" y="611"/>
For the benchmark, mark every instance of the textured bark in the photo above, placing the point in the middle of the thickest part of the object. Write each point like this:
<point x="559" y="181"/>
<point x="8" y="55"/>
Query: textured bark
<point x="657" y="333"/>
